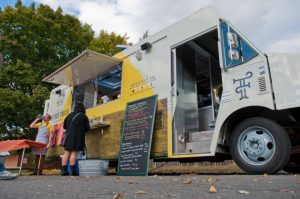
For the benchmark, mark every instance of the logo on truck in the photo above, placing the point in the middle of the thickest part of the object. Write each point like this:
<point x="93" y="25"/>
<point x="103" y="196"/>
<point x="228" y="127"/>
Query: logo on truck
<point x="243" y="85"/>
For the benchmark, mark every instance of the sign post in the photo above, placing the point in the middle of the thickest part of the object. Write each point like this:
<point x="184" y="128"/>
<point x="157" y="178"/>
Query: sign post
<point x="137" y="137"/>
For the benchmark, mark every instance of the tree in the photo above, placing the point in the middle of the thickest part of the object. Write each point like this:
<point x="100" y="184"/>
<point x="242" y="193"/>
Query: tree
<point x="34" y="42"/>
<point x="106" y="43"/>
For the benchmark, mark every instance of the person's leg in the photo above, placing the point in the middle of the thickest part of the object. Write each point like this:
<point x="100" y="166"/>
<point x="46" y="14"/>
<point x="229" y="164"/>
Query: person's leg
<point x="5" y="174"/>
<point x="73" y="159"/>
<point x="65" y="158"/>
<point x="64" y="163"/>
<point x="40" y="170"/>
<point x="2" y="168"/>
<point x="36" y="163"/>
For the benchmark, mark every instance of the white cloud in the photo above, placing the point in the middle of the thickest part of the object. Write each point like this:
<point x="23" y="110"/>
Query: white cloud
<point x="265" y="23"/>
<point x="286" y="45"/>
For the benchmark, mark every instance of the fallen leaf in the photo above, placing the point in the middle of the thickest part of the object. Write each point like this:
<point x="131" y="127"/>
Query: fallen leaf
<point x="187" y="181"/>
<point x="118" y="178"/>
<point x="244" y="192"/>
<point x="286" y="190"/>
<point x="210" y="181"/>
<point x="132" y="182"/>
<point x="254" y="180"/>
<point x="212" y="189"/>
<point x="171" y="195"/>
<point x="140" y="192"/>
<point x="118" y="196"/>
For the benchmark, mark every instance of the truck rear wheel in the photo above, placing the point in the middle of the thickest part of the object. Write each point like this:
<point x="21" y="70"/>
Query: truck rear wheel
<point x="259" y="145"/>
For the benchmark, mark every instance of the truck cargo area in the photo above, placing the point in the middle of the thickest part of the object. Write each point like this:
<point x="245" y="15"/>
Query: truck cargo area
<point x="198" y="88"/>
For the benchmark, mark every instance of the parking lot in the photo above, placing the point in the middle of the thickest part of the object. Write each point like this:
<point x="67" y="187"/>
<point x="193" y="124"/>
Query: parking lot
<point x="178" y="186"/>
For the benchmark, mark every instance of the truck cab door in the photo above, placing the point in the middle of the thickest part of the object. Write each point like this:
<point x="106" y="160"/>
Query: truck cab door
<point x="245" y="73"/>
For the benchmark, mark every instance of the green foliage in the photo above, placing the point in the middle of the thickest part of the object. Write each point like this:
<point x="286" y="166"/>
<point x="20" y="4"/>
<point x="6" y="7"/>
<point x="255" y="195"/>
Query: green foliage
<point x="34" y="42"/>
<point x="106" y="43"/>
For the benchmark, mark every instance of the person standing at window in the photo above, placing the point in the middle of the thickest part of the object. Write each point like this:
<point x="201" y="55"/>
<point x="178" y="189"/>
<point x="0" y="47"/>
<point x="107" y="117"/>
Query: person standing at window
<point x="75" y="124"/>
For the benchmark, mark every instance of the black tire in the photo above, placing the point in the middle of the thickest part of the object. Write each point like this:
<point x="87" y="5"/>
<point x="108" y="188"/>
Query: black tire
<point x="259" y="145"/>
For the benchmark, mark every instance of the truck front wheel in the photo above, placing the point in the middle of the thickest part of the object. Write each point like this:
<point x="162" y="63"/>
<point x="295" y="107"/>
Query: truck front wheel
<point x="259" y="145"/>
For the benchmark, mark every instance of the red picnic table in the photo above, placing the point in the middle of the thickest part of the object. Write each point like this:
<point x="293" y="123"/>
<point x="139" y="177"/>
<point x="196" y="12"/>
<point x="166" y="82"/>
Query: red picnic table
<point x="11" y="145"/>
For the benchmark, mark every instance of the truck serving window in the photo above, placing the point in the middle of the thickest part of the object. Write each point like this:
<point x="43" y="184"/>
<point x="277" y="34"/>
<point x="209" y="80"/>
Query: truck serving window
<point x="96" y="78"/>
<point x="235" y="49"/>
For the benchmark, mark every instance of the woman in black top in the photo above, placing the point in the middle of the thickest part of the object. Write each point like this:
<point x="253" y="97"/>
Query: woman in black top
<point x="75" y="124"/>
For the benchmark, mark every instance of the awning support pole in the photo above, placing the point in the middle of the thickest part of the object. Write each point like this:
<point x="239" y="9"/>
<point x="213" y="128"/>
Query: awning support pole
<point x="21" y="163"/>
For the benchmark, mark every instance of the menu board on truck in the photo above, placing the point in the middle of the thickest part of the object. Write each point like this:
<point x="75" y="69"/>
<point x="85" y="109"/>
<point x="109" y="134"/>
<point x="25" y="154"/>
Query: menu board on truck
<point x="137" y="137"/>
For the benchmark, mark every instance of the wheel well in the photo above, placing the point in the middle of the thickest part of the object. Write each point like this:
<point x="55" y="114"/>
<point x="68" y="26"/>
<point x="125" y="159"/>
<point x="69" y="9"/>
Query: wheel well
<point x="281" y="117"/>
<point x="295" y="112"/>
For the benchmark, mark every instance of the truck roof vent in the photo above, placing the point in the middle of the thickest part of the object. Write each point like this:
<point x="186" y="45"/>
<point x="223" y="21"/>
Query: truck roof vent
<point x="262" y="84"/>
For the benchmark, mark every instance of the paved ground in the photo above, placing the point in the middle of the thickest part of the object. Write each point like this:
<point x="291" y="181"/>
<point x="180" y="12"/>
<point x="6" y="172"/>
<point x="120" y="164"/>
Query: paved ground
<point x="179" y="187"/>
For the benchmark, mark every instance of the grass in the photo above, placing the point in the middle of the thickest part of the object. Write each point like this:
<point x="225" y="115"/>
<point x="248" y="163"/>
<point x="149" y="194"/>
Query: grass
<point x="195" y="169"/>
<point x="165" y="169"/>
<point x="26" y="172"/>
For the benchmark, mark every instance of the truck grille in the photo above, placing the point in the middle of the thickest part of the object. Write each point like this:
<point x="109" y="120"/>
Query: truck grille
<point x="262" y="84"/>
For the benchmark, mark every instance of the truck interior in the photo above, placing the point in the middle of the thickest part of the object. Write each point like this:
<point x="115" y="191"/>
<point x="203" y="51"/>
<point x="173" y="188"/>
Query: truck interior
<point x="104" y="88"/>
<point x="199" y="87"/>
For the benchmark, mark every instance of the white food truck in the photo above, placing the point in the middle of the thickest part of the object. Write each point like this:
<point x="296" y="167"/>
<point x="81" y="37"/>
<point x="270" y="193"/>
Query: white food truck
<point x="219" y="96"/>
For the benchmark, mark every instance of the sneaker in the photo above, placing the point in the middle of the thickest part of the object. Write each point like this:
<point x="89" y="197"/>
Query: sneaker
<point x="6" y="175"/>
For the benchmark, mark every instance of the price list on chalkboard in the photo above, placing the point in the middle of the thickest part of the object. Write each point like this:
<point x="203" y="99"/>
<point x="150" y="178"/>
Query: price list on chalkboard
<point x="137" y="136"/>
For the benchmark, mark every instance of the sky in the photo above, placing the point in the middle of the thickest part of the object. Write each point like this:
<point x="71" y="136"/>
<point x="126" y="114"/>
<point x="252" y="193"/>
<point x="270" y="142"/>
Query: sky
<point x="271" y="25"/>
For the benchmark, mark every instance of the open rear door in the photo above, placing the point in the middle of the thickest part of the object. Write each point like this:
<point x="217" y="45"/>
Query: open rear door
<point x="86" y="66"/>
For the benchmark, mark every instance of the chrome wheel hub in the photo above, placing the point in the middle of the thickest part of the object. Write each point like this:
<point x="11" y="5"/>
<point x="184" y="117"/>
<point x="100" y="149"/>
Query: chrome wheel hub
<point x="256" y="145"/>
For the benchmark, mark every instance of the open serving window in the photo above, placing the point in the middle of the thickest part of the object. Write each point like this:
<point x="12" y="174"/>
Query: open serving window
<point x="96" y="78"/>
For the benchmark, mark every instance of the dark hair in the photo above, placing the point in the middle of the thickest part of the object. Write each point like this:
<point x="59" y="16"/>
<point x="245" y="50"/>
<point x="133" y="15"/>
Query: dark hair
<point x="79" y="108"/>
<point x="49" y="116"/>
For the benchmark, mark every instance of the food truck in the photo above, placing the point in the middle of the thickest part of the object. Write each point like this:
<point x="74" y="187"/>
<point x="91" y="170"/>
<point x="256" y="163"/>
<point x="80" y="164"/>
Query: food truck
<point x="219" y="96"/>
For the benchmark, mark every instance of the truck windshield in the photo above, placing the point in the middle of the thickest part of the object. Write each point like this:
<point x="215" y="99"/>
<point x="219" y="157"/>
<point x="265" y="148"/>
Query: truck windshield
<point x="236" y="53"/>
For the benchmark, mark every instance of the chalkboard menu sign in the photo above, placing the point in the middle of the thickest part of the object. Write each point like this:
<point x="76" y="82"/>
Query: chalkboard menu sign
<point x="136" y="137"/>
